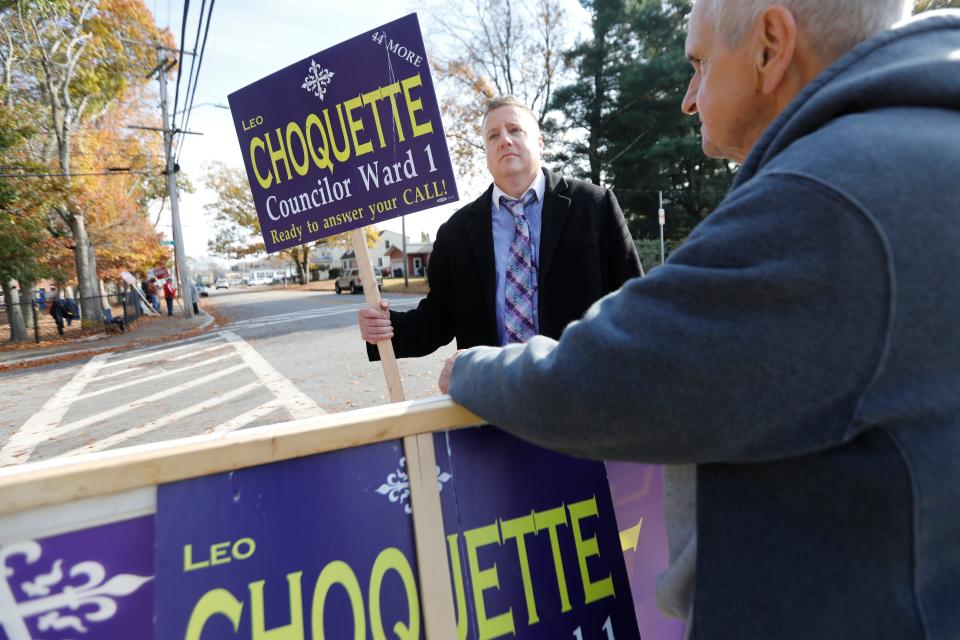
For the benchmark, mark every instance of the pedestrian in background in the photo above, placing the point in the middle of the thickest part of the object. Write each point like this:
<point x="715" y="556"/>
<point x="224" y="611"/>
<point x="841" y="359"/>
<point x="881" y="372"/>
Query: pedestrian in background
<point x="60" y="311"/>
<point x="196" y="297"/>
<point x="169" y="293"/>
<point x="153" y="292"/>
<point x="74" y="310"/>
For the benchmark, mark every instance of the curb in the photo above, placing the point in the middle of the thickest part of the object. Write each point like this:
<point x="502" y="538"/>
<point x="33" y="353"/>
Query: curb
<point x="69" y="356"/>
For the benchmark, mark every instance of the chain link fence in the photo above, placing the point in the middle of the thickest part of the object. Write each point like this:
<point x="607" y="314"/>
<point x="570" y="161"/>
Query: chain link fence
<point x="61" y="318"/>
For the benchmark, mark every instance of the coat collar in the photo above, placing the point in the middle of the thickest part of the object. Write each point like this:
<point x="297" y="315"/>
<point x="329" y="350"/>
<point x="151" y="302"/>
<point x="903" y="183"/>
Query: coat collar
<point x="556" y="205"/>
<point x="480" y="235"/>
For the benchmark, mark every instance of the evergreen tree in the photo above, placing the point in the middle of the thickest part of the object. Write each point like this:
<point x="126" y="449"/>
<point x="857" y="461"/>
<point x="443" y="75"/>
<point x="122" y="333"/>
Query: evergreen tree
<point x="632" y="76"/>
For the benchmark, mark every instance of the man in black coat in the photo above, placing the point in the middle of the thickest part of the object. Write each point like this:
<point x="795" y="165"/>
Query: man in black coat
<point x="60" y="310"/>
<point x="581" y="250"/>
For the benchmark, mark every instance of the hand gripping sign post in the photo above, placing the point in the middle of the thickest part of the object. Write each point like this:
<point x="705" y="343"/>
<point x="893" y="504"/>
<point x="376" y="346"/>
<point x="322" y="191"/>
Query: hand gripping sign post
<point x="346" y="138"/>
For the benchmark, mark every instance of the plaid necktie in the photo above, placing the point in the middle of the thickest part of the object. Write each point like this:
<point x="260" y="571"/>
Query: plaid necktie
<point x="519" y="323"/>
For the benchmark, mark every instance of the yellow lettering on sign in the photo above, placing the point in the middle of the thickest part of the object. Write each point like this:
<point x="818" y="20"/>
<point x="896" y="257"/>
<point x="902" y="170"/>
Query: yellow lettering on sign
<point x="212" y="603"/>
<point x="550" y="520"/>
<point x="517" y="529"/>
<point x="188" y="563"/>
<point x="482" y="580"/>
<point x="586" y="548"/>
<point x="219" y="553"/>
<point x="457" y="568"/>
<point x="340" y="135"/>
<point x="291" y="631"/>
<point x="392" y="559"/>
<point x="337" y="573"/>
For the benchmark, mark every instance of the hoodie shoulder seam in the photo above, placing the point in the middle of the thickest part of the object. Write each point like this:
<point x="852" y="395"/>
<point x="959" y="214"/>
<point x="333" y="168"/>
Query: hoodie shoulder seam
<point x="855" y="205"/>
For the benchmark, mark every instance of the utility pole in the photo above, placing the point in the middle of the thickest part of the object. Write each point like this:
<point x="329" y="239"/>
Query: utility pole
<point x="171" y="169"/>
<point x="662" y="215"/>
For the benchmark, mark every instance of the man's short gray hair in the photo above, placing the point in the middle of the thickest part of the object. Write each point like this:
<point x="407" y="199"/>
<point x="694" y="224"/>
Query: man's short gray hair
<point x="834" y="26"/>
<point x="505" y="101"/>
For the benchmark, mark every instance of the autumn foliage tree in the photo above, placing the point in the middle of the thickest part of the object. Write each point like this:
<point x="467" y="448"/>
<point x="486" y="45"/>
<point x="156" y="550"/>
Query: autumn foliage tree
<point x="116" y="205"/>
<point x="72" y="60"/>
<point x="24" y="240"/>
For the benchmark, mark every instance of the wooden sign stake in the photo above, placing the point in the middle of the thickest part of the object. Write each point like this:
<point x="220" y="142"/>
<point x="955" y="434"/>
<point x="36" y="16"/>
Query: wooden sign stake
<point x="436" y="595"/>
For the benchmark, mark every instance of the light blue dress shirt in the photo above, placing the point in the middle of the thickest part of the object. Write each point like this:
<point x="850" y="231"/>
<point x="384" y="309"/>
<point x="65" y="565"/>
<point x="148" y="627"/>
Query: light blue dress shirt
<point x="503" y="230"/>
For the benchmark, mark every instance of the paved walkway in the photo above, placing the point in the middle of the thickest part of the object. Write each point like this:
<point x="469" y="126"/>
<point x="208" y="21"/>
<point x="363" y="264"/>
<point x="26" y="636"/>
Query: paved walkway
<point x="147" y="330"/>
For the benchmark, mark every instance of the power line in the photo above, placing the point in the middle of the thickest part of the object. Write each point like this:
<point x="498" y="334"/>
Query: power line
<point x="183" y="34"/>
<point x="76" y="175"/>
<point x="199" y="60"/>
<point x="193" y="65"/>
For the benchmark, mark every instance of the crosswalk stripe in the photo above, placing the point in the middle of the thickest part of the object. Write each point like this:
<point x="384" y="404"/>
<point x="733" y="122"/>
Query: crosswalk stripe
<point x="18" y="448"/>
<point x="158" y="376"/>
<point x="153" y="425"/>
<point x="142" y="402"/>
<point x="247" y="417"/>
<point x="295" y="401"/>
<point x="152" y="352"/>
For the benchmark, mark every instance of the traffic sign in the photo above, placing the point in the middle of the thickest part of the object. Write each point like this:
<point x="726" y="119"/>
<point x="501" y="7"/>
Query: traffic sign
<point x="169" y="243"/>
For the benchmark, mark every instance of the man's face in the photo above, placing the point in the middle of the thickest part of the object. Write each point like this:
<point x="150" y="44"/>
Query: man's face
<point x="723" y="90"/>
<point x="514" y="144"/>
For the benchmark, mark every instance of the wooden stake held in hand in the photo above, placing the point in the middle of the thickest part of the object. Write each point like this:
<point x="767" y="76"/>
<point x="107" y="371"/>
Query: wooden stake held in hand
<point x="436" y="595"/>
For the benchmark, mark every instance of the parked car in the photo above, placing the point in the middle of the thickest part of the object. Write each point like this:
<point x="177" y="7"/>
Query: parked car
<point x="351" y="280"/>
<point x="222" y="283"/>
<point x="256" y="282"/>
<point x="204" y="290"/>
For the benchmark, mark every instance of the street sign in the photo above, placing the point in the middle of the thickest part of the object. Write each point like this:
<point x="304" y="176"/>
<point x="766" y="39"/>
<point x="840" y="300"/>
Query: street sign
<point x="169" y="243"/>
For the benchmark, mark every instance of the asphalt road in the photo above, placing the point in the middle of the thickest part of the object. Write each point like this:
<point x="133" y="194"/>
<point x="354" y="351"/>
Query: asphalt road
<point x="286" y="354"/>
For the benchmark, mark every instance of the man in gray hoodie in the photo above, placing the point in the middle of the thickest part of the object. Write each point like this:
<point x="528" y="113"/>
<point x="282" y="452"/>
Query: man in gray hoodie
<point x="802" y="348"/>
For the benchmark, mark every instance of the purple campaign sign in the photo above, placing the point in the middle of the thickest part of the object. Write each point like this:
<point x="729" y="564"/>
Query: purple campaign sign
<point x="95" y="583"/>
<point x="348" y="137"/>
<point x="321" y="545"/>
<point x="324" y="544"/>
<point x="535" y="552"/>
<point x="637" y="491"/>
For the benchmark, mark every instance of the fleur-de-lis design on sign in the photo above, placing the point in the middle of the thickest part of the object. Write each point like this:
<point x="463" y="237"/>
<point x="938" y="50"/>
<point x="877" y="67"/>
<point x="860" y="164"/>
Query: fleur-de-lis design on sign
<point x="48" y="607"/>
<point x="317" y="80"/>
<point x="397" y="486"/>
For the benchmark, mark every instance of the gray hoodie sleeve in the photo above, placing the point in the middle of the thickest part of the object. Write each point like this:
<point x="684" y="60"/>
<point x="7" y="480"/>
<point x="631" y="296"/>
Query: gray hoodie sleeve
<point x="754" y="342"/>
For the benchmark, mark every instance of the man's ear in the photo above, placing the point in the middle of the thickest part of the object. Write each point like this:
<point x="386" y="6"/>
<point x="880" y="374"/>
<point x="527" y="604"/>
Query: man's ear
<point x="776" y="39"/>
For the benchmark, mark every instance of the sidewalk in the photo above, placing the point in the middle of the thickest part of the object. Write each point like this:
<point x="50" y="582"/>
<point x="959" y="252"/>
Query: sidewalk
<point x="147" y="330"/>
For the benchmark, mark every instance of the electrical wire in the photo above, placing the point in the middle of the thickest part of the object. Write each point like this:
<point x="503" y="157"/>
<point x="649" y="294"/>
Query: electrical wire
<point x="193" y="61"/>
<point x="75" y="175"/>
<point x="183" y="34"/>
<point x="203" y="47"/>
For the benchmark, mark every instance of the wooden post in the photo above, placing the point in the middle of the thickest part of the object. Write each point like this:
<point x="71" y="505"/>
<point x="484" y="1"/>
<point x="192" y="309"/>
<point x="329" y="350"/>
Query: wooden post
<point x="436" y="595"/>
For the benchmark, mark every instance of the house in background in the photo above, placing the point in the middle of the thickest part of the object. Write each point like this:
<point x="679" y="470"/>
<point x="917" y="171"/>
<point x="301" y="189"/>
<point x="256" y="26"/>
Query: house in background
<point x="380" y="251"/>
<point x="387" y="253"/>
<point x="418" y="257"/>
<point x="347" y="260"/>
